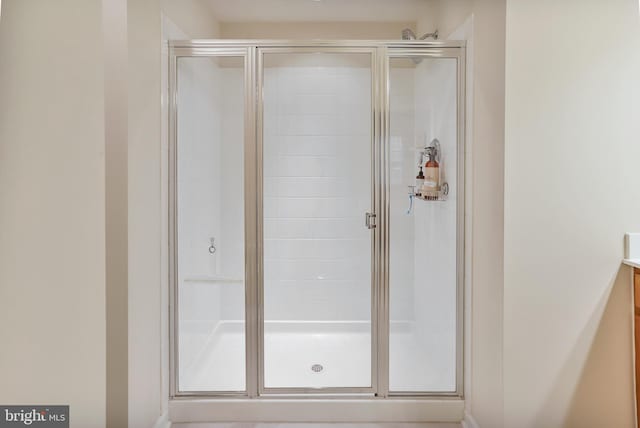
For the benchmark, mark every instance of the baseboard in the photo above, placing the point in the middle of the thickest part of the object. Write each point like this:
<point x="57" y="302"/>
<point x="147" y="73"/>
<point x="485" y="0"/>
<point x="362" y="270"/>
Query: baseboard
<point x="469" y="422"/>
<point x="163" y="421"/>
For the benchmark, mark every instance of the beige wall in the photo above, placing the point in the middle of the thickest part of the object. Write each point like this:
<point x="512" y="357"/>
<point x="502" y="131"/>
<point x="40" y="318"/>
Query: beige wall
<point x="487" y="222"/>
<point x="52" y="238"/>
<point x="571" y="191"/>
<point x="446" y="16"/>
<point x="147" y="152"/>
<point x="193" y="17"/>
<point x="486" y="19"/>
<point x="114" y="26"/>
<point x="313" y="30"/>
<point x="144" y="211"/>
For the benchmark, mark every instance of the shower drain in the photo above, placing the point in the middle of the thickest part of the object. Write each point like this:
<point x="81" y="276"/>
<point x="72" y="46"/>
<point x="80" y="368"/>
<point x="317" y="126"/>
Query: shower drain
<point x="317" y="368"/>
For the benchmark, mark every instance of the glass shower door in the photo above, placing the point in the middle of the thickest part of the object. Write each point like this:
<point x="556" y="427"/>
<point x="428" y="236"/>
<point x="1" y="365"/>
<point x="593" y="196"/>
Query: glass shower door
<point x="317" y="138"/>
<point x="424" y="251"/>
<point x="209" y="218"/>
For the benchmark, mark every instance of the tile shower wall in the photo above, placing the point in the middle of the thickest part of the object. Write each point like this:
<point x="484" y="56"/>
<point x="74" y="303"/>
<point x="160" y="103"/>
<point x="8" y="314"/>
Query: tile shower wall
<point x="199" y="194"/>
<point x="403" y="170"/>
<point x="317" y="148"/>
<point x="231" y="242"/>
<point x="199" y="164"/>
<point x="210" y="200"/>
<point x="435" y="222"/>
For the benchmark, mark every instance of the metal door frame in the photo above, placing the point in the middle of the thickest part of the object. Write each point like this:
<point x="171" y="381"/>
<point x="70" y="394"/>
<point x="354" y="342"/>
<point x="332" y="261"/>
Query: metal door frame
<point x="253" y="53"/>
<point x="346" y="50"/>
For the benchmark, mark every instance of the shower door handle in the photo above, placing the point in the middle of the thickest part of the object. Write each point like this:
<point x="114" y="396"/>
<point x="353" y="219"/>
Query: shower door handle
<point x="370" y="220"/>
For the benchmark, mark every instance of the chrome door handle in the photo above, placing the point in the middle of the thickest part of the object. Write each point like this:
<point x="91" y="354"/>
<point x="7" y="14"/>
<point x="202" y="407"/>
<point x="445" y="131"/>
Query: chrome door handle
<point x="370" y="220"/>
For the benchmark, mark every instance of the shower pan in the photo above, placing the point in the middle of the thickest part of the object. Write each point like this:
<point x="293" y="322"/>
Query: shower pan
<point x="296" y="268"/>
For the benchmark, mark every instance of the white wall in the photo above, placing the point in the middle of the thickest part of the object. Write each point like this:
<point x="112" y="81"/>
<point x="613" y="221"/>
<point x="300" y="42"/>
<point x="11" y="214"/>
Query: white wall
<point x="571" y="192"/>
<point x="52" y="243"/>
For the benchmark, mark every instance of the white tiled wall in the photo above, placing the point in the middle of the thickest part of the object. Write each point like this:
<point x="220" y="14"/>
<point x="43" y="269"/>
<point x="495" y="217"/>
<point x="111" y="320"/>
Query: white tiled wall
<point x="210" y="168"/>
<point x="199" y="164"/>
<point x="210" y="200"/>
<point x="199" y="211"/>
<point x="435" y="223"/>
<point x="403" y="169"/>
<point x="232" y="172"/>
<point x="231" y="240"/>
<point x="317" y="188"/>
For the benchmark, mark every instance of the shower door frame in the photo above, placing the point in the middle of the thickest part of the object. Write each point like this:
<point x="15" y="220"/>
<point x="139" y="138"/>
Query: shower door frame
<point x="253" y="53"/>
<point x="192" y="49"/>
<point x="263" y="50"/>
<point x="449" y="50"/>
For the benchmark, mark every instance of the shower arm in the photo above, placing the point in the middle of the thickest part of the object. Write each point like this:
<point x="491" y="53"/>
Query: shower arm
<point x="433" y="35"/>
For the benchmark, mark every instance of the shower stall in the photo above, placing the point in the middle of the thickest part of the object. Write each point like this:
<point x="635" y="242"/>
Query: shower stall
<point x="305" y="260"/>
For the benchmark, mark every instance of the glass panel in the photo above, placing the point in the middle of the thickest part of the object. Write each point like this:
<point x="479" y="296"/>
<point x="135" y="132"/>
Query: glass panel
<point x="422" y="350"/>
<point x="210" y="198"/>
<point x="317" y="189"/>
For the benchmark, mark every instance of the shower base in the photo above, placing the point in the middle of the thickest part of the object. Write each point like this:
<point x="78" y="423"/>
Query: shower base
<point x="294" y="350"/>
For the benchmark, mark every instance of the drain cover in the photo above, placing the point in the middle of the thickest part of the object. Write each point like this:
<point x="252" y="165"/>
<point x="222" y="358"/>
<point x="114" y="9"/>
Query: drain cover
<point x="317" y="368"/>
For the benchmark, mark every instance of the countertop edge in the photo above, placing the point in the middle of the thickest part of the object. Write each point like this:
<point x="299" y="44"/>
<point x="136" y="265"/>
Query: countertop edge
<point x="632" y="262"/>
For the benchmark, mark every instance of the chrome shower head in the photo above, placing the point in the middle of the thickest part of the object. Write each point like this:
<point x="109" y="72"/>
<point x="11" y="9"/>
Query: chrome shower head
<point x="407" y="34"/>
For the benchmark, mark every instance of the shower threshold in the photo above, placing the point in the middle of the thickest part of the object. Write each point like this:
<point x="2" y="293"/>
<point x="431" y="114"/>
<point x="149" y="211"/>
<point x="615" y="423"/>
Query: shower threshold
<point x="185" y="410"/>
<point x="313" y="354"/>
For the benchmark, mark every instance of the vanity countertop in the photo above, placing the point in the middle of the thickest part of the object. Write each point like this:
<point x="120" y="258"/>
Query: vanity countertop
<point x="632" y="262"/>
<point x="632" y="250"/>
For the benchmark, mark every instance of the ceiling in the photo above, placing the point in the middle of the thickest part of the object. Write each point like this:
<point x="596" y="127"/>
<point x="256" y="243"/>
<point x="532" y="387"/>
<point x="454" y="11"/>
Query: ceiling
<point x="318" y="10"/>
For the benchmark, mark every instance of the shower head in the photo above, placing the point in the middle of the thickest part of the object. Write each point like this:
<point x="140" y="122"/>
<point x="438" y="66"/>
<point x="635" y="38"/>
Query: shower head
<point x="407" y="34"/>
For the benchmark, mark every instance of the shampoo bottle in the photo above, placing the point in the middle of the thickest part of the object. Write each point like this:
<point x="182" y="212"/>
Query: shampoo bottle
<point x="419" y="182"/>
<point x="431" y="185"/>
